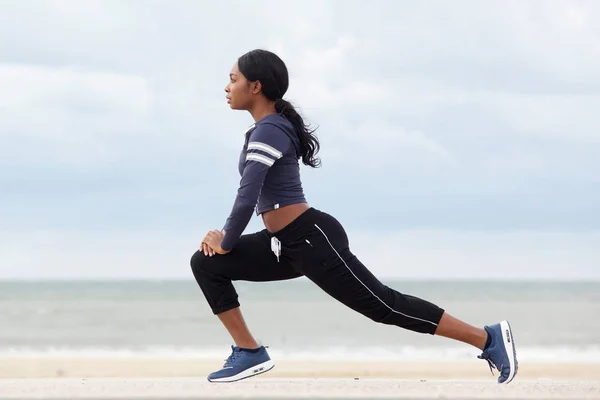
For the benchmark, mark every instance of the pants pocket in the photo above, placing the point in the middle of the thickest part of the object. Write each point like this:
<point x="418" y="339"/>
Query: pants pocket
<point x="314" y="255"/>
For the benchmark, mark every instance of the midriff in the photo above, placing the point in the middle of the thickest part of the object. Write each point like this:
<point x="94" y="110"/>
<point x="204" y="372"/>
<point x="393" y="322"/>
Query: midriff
<point x="277" y="219"/>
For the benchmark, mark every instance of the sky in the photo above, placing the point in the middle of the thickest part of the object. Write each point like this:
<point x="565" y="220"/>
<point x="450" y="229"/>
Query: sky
<point x="460" y="140"/>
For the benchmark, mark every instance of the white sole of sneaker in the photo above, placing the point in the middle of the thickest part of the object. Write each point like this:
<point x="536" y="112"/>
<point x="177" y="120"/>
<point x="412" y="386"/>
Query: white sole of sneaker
<point x="509" y="345"/>
<point x="256" y="370"/>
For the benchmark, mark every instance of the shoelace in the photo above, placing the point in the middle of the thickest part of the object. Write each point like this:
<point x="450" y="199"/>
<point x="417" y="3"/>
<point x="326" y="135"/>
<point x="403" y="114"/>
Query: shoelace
<point x="231" y="359"/>
<point x="486" y="356"/>
<point x="234" y="356"/>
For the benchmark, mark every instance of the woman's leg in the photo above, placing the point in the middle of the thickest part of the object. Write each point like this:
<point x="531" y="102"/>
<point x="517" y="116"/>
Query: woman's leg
<point x="330" y="264"/>
<point x="250" y="260"/>
<point x="453" y="328"/>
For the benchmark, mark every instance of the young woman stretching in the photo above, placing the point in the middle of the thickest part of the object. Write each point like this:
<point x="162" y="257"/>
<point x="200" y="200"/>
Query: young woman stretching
<point x="300" y="240"/>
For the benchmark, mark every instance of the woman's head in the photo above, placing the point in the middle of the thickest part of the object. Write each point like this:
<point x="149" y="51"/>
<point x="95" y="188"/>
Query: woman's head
<point x="255" y="74"/>
<point x="261" y="75"/>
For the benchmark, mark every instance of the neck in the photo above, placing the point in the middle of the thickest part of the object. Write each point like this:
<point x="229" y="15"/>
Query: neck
<point x="261" y="110"/>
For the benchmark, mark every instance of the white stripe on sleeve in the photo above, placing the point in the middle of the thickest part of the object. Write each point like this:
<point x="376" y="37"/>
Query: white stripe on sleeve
<point x="266" y="148"/>
<point x="259" y="158"/>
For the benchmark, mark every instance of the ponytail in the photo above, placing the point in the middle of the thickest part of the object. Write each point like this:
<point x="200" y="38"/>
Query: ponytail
<point x="270" y="70"/>
<point x="309" y="144"/>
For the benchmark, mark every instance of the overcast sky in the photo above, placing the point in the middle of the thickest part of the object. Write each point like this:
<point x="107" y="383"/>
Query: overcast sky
<point x="459" y="139"/>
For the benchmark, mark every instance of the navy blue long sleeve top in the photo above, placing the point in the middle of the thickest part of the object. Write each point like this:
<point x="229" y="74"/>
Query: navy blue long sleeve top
<point x="270" y="174"/>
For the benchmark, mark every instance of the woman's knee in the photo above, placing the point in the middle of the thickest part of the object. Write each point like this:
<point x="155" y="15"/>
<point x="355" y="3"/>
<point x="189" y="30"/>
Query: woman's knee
<point x="199" y="261"/>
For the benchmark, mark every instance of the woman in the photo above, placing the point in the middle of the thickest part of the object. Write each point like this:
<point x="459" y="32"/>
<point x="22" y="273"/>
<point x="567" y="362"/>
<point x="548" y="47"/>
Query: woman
<point x="299" y="240"/>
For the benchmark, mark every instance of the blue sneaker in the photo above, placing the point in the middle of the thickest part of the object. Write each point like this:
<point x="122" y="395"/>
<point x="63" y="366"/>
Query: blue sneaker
<point x="501" y="351"/>
<point x="243" y="364"/>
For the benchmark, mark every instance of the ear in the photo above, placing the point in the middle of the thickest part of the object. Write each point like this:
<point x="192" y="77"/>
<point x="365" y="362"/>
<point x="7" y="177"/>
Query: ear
<point x="256" y="87"/>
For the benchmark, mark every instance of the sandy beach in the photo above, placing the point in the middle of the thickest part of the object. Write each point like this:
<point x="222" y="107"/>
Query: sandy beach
<point x="156" y="367"/>
<point x="131" y="378"/>
<point x="299" y="388"/>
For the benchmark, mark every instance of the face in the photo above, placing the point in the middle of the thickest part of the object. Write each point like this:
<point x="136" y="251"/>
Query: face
<point x="240" y="93"/>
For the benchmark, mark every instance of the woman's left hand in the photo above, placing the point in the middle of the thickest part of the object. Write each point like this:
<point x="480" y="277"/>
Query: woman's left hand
<point x="214" y="239"/>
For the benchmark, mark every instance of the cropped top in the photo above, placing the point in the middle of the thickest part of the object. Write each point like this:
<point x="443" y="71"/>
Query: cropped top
<point x="270" y="174"/>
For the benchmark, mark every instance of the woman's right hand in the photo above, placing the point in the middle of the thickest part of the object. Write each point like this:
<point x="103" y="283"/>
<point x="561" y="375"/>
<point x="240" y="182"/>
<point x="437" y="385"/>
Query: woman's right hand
<point x="205" y="248"/>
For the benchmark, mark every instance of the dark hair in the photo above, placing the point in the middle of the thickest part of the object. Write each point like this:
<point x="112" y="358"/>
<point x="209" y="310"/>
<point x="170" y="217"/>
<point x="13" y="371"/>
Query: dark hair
<point x="270" y="70"/>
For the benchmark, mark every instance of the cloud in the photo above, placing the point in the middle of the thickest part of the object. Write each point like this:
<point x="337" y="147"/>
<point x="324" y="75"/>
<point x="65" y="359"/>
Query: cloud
<point x="377" y="144"/>
<point x="67" y="115"/>
<point x="453" y="116"/>
<point x="74" y="116"/>
<point x="517" y="160"/>
<point x="52" y="88"/>
<point x="568" y="117"/>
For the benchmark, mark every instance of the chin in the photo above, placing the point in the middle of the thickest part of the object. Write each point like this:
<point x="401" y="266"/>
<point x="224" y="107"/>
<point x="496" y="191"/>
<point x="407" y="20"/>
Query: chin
<point x="234" y="106"/>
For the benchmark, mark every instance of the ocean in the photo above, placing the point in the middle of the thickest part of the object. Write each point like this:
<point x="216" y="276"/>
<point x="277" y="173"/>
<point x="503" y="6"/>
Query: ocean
<point x="552" y="321"/>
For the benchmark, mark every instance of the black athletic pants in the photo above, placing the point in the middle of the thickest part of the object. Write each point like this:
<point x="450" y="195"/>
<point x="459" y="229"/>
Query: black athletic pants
<point x="314" y="245"/>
